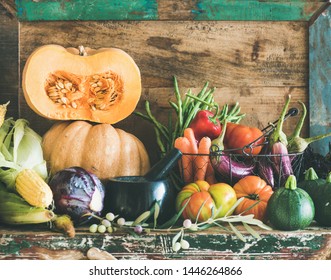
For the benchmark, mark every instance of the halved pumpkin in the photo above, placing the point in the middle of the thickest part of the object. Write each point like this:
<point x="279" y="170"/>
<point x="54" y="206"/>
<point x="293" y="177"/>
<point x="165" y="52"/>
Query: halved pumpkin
<point x="102" y="85"/>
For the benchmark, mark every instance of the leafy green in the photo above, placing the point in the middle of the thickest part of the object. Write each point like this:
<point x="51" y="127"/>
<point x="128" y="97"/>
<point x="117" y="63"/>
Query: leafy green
<point x="20" y="148"/>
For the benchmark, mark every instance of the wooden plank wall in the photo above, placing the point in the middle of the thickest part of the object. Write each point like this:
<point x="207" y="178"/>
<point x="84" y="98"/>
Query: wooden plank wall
<point x="254" y="62"/>
<point x="8" y="62"/>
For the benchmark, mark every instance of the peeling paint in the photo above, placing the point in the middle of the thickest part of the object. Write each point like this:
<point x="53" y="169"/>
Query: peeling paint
<point x="320" y="79"/>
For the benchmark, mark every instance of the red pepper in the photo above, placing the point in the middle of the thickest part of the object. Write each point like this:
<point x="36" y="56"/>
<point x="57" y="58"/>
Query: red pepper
<point x="204" y="124"/>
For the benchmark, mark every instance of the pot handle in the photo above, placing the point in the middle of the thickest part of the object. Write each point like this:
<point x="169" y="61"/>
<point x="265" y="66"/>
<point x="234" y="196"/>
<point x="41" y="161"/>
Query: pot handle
<point x="162" y="169"/>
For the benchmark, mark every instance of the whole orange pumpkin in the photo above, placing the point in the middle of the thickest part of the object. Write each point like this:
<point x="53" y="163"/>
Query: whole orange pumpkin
<point x="255" y="191"/>
<point x="101" y="149"/>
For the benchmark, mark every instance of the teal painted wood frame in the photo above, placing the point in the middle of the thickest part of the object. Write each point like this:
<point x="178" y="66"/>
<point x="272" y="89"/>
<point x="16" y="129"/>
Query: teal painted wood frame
<point x="260" y="10"/>
<point x="316" y="13"/>
<point x="320" y="79"/>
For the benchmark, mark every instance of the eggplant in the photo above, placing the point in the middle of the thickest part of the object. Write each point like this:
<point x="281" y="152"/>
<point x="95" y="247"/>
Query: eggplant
<point x="282" y="162"/>
<point x="229" y="168"/>
<point x="278" y="149"/>
<point x="266" y="171"/>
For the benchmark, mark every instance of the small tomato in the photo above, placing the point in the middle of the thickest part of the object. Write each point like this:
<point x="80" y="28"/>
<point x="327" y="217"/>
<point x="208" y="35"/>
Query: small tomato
<point x="205" y="199"/>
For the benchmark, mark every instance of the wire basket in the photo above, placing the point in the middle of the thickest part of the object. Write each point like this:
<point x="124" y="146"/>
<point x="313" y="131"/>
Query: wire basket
<point x="229" y="167"/>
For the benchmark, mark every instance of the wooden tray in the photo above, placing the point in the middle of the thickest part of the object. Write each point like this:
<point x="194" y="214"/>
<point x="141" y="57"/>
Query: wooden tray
<point x="254" y="52"/>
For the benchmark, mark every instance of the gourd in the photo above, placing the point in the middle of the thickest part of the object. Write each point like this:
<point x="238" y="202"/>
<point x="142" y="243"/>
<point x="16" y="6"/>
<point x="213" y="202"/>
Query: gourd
<point x="320" y="191"/>
<point x="290" y="208"/>
<point x="102" y="85"/>
<point x="98" y="148"/>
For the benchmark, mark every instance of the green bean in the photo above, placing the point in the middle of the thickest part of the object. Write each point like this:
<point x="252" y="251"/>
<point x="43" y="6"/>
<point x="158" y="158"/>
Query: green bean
<point x="179" y="123"/>
<point x="187" y="101"/>
<point x="159" y="141"/>
<point x="194" y="110"/>
<point x="174" y="105"/>
<point x="161" y="127"/>
<point x="202" y="92"/>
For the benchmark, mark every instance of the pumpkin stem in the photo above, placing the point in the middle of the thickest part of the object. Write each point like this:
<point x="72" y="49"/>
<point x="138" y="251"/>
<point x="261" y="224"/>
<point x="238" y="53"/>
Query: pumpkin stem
<point x="291" y="183"/>
<point x="253" y="196"/>
<point x="328" y="178"/>
<point x="82" y="51"/>
<point x="310" y="174"/>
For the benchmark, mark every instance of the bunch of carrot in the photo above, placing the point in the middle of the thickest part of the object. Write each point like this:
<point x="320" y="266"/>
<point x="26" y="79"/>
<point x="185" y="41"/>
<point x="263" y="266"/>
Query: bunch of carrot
<point x="195" y="163"/>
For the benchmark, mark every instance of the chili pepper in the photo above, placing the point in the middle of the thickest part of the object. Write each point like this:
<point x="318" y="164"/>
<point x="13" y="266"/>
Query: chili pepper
<point x="205" y="123"/>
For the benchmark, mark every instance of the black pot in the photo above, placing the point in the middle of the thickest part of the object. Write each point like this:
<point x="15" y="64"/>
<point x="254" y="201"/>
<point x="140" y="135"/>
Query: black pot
<point x="130" y="196"/>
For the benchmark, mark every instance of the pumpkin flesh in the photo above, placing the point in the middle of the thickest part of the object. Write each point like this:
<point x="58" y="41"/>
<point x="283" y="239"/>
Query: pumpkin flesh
<point x="103" y="86"/>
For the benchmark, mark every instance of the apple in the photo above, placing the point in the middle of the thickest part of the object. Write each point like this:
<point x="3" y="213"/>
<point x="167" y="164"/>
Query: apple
<point x="204" y="200"/>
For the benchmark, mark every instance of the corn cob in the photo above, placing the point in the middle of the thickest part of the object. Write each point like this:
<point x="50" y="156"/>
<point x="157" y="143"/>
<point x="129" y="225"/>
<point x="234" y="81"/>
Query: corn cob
<point x="15" y="210"/>
<point x="3" y="110"/>
<point x="33" y="188"/>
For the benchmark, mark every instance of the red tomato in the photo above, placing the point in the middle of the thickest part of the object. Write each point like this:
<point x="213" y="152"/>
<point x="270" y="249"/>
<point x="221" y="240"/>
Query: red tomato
<point x="237" y="136"/>
<point x="255" y="191"/>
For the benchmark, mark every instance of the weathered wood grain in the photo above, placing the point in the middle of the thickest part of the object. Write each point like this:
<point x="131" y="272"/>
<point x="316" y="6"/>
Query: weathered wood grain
<point x="313" y="243"/>
<point x="320" y="79"/>
<point x="9" y="6"/>
<point x="265" y="10"/>
<point x="255" y="63"/>
<point x="9" y="73"/>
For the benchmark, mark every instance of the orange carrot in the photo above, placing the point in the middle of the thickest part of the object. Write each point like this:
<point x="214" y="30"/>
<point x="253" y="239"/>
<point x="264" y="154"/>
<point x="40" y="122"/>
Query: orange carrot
<point x="185" y="164"/>
<point x="210" y="174"/>
<point x="189" y="134"/>
<point x="201" y="162"/>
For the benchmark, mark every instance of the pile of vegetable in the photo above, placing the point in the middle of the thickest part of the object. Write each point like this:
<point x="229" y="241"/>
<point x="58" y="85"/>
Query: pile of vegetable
<point x="57" y="179"/>
<point x="228" y="172"/>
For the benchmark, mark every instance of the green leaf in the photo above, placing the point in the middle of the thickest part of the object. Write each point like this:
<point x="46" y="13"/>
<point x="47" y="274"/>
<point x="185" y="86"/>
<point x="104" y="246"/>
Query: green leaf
<point x="252" y="231"/>
<point x="176" y="237"/>
<point x="20" y="148"/>
<point x="141" y="218"/>
<point x="237" y="232"/>
<point x="156" y="213"/>
<point x="200" y="209"/>
<point x="219" y="209"/>
<point x="220" y="226"/>
<point x="258" y="223"/>
<point x="237" y="218"/>
<point x="234" y="206"/>
<point x="175" y="218"/>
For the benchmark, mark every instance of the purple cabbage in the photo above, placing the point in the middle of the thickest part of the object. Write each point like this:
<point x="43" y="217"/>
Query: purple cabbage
<point x="77" y="192"/>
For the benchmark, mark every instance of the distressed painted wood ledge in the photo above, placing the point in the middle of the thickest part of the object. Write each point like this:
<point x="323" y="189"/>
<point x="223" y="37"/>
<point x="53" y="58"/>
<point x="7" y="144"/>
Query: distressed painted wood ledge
<point x="39" y="243"/>
<point x="257" y="10"/>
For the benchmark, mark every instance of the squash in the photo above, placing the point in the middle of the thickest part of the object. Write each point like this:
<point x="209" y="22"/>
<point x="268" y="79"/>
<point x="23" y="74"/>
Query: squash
<point x="290" y="208"/>
<point x="320" y="191"/>
<point x="102" y="85"/>
<point x="256" y="193"/>
<point x="100" y="148"/>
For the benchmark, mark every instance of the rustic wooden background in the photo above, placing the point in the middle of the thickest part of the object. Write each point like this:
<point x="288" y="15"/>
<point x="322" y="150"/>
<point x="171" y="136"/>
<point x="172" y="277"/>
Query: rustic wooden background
<point x="255" y="56"/>
<point x="254" y="62"/>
